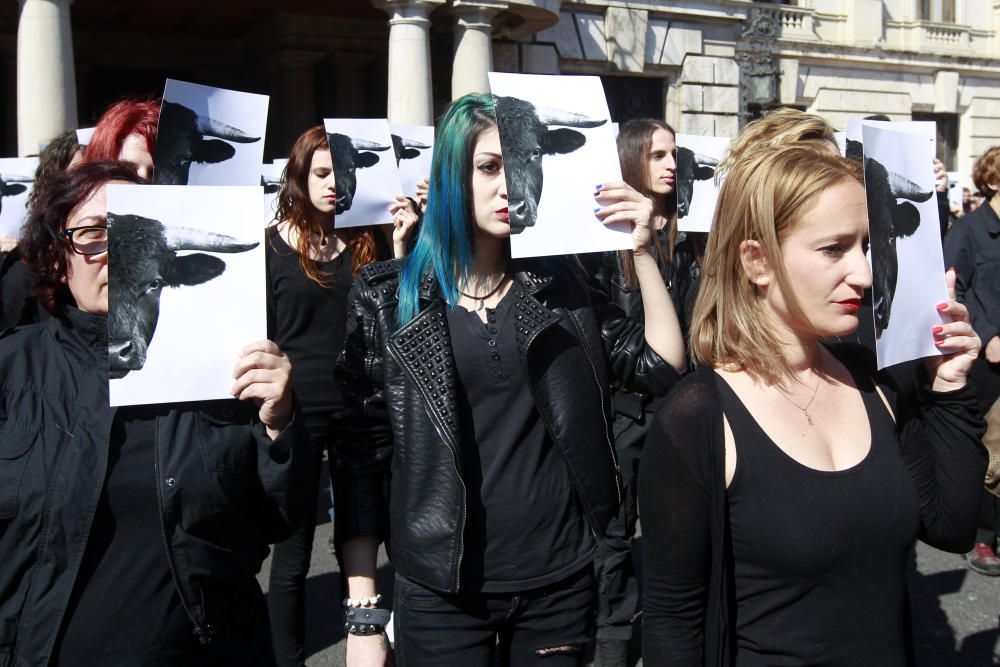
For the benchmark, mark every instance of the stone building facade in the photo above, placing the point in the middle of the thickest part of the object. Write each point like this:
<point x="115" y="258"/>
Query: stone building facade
<point x="706" y="66"/>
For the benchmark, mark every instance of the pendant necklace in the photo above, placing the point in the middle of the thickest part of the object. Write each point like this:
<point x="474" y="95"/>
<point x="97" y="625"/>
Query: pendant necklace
<point x="805" y="409"/>
<point x="482" y="299"/>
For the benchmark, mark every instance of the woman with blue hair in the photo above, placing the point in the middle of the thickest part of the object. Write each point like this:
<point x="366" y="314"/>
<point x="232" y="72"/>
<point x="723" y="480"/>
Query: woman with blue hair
<point x="477" y="425"/>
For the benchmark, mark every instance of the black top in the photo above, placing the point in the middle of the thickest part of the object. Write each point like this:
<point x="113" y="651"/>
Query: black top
<point x="524" y="527"/>
<point x="124" y="579"/>
<point x="819" y="576"/>
<point x="689" y="604"/>
<point x="308" y="322"/>
<point x="972" y="246"/>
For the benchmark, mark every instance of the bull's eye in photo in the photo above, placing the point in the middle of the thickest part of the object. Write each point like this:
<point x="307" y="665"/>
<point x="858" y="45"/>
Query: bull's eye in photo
<point x="155" y="285"/>
<point x="88" y="240"/>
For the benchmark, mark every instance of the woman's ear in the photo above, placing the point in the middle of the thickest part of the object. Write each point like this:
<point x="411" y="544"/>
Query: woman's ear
<point x="755" y="265"/>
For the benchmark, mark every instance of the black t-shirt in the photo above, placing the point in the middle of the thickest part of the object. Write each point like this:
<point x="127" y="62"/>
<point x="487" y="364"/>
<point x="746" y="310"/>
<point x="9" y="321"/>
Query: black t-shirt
<point x="524" y="526"/>
<point x="124" y="609"/>
<point x="309" y="323"/>
<point x="819" y="556"/>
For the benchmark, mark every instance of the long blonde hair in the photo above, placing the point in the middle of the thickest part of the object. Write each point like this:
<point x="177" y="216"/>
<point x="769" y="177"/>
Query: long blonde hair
<point x="764" y="196"/>
<point x="778" y="128"/>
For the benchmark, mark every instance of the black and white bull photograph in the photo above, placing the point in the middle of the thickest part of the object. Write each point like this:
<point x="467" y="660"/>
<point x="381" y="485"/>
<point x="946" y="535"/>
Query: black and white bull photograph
<point x="271" y="176"/>
<point x="365" y="170"/>
<point x="414" y="147"/>
<point x="16" y="177"/>
<point x="697" y="189"/>
<point x="185" y="289"/>
<point x="558" y="145"/>
<point x="905" y="242"/>
<point x="209" y="136"/>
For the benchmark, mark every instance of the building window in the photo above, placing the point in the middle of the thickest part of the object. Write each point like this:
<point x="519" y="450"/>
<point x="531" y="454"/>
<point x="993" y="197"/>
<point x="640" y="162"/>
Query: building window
<point x="947" y="136"/>
<point x="937" y="11"/>
<point x="634" y="97"/>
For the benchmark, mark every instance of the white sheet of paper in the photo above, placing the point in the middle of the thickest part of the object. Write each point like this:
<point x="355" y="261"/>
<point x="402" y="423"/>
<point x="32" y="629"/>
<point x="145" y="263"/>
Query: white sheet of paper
<point x="201" y="328"/>
<point x="16" y="178"/>
<point x="954" y="189"/>
<point x="416" y="162"/>
<point x="215" y="108"/>
<point x="565" y="222"/>
<point x="369" y="189"/>
<point x="696" y="174"/>
<point x="84" y="135"/>
<point x="919" y="284"/>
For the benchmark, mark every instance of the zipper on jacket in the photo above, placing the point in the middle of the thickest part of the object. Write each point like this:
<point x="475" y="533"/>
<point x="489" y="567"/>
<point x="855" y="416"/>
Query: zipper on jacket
<point x="204" y="632"/>
<point x="465" y="491"/>
<point x="600" y="392"/>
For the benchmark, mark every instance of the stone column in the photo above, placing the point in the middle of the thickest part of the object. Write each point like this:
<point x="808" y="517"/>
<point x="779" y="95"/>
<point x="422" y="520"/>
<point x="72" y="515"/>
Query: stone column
<point x="410" y="100"/>
<point x="46" y="82"/>
<point x="473" y="56"/>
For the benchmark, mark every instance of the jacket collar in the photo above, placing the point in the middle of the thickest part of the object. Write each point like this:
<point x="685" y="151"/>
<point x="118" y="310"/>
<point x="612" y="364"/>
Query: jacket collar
<point x="88" y="331"/>
<point x="990" y="218"/>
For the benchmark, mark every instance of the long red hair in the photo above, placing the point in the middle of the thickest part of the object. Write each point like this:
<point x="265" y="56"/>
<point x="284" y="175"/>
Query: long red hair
<point x="296" y="209"/>
<point x="122" y="119"/>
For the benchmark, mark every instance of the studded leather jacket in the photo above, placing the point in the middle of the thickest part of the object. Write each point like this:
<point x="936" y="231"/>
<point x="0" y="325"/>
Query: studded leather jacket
<point x="397" y="438"/>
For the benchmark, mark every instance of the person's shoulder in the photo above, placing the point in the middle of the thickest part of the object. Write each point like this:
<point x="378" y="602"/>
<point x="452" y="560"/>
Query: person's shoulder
<point x="377" y="273"/>
<point x="694" y="398"/>
<point x="20" y="341"/>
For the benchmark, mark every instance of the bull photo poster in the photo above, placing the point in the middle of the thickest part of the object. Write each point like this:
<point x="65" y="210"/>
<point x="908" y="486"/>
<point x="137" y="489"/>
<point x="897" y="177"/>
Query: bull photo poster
<point x="414" y="146"/>
<point x="365" y="167"/>
<point x="905" y="241"/>
<point x="186" y="289"/>
<point x="697" y="190"/>
<point x="84" y="135"/>
<point x="16" y="177"/>
<point x="557" y="144"/>
<point x="209" y="136"/>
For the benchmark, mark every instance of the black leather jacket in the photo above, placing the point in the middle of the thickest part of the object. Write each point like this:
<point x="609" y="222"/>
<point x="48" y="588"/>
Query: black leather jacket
<point x="225" y="490"/>
<point x="401" y="415"/>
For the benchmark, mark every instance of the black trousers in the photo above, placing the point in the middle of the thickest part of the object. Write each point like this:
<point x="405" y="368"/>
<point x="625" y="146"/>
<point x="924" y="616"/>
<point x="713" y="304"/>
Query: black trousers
<point x="617" y="584"/>
<point x="486" y="629"/>
<point x="986" y="376"/>
<point x="286" y="592"/>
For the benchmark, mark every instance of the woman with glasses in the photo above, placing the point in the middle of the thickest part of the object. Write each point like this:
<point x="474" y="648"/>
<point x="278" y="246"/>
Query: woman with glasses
<point x="130" y="535"/>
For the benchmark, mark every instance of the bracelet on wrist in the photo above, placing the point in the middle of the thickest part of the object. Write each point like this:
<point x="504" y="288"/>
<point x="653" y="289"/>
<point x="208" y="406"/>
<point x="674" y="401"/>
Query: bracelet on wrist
<point x="363" y="621"/>
<point x="362" y="602"/>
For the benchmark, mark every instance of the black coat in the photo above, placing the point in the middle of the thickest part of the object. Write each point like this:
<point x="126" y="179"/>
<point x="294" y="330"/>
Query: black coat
<point x="225" y="490"/>
<point x="972" y="246"/>
<point x="401" y="415"/>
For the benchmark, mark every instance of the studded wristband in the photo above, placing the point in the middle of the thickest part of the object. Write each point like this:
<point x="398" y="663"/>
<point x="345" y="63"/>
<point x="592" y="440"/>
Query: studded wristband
<point x="365" y="621"/>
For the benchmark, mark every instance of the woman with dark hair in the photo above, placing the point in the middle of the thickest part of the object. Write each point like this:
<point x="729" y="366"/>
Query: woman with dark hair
<point x="127" y="132"/>
<point x="647" y="152"/>
<point x="310" y="267"/>
<point x="130" y="535"/>
<point x="476" y="405"/>
<point x="785" y="482"/>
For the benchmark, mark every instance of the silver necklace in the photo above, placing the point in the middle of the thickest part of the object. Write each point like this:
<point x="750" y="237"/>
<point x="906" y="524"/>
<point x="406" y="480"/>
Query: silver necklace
<point x="482" y="299"/>
<point x="805" y="409"/>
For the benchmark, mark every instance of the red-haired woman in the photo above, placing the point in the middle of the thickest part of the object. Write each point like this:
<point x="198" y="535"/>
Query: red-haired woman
<point x="127" y="132"/>
<point x="310" y="268"/>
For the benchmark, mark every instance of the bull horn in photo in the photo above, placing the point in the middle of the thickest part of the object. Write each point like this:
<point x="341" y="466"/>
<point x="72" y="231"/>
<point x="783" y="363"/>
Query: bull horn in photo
<point x="412" y="143"/>
<point x="185" y="238"/>
<point x="549" y="116"/>
<point x="213" y="128"/>
<point x="366" y="145"/>
<point x="904" y="188"/>
<point x="15" y="178"/>
<point x="706" y="160"/>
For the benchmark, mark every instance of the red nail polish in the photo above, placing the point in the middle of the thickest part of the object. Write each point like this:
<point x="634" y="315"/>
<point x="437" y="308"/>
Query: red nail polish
<point x="942" y="306"/>
<point x="937" y="330"/>
<point x="939" y="342"/>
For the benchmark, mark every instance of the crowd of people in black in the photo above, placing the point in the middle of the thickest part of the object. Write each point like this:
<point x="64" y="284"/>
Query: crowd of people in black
<point x="500" y="424"/>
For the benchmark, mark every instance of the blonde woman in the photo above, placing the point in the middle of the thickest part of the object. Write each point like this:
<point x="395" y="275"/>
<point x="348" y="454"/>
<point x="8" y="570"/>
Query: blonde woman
<point x="786" y="481"/>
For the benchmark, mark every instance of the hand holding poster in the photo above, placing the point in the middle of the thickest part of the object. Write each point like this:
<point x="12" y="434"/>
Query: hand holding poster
<point x="16" y="177"/>
<point x="209" y="136"/>
<point x="907" y="262"/>
<point x="556" y="131"/>
<point x="187" y="265"/>
<point x="365" y="171"/>
<point x="697" y="191"/>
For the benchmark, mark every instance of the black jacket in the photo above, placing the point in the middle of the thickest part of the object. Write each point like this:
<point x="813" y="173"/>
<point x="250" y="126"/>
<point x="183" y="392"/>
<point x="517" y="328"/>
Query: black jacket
<point x="224" y="488"/>
<point x="401" y="413"/>
<point x="972" y="246"/>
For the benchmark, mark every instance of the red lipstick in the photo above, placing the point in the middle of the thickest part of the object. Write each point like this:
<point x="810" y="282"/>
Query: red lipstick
<point x="503" y="214"/>
<point x="851" y="305"/>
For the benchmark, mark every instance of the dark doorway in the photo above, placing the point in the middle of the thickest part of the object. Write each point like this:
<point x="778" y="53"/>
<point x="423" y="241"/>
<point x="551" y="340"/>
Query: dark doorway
<point x="634" y="97"/>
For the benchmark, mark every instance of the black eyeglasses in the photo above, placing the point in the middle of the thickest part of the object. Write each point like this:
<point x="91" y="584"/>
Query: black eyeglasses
<point x="88" y="240"/>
